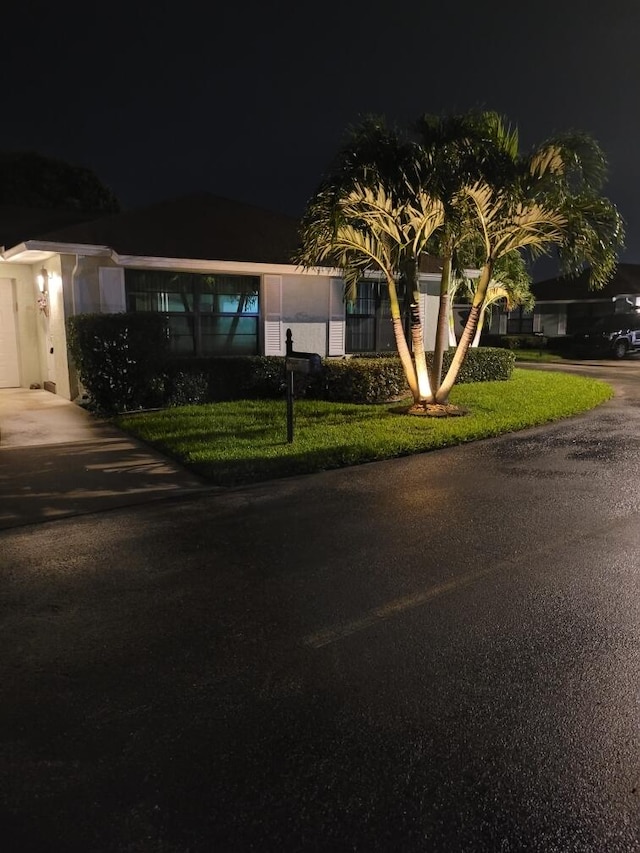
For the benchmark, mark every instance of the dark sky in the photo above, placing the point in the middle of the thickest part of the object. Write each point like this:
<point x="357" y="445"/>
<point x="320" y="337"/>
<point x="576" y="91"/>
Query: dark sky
<point x="250" y="100"/>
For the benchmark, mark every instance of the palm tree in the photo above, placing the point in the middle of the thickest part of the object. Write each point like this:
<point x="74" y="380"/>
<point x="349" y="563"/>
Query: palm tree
<point x="388" y="200"/>
<point x="357" y="229"/>
<point x="511" y="286"/>
<point x="551" y="200"/>
<point x="372" y="212"/>
<point x="456" y="151"/>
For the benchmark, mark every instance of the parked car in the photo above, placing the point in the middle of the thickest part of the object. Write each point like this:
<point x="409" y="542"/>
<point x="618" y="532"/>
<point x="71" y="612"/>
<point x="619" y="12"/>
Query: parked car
<point x="616" y="335"/>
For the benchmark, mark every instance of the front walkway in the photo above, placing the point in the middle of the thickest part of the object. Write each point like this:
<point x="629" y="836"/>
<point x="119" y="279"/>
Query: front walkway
<point x="58" y="460"/>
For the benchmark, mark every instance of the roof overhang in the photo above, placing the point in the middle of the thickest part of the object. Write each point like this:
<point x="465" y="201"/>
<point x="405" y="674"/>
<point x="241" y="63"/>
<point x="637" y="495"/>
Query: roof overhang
<point x="36" y="251"/>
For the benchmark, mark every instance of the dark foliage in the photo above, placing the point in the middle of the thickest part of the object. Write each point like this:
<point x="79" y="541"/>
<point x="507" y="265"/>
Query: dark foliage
<point x="120" y="359"/>
<point x="124" y="364"/>
<point x="28" y="179"/>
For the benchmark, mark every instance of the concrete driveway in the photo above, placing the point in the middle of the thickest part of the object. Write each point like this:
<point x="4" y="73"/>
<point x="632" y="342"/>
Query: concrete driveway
<point x="58" y="460"/>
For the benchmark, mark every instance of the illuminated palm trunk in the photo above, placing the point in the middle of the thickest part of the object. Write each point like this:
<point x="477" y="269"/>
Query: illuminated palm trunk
<point x="476" y="339"/>
<point x="442" y="394"/>
<point x="401" y="341"/>
<point x="417" y="335"/>
<point x="417" y="341"/>
<point x="442" y="329"/>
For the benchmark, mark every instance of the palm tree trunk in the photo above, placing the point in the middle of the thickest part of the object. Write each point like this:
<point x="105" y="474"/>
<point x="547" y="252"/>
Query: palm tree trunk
<point x="476" y="338"/>
<point x="442" y="329"/>
<point x="401" y="341"/>
<point x="417" y="341"/>
<point x="417" y="334"/>
<point x="442" y="393"/>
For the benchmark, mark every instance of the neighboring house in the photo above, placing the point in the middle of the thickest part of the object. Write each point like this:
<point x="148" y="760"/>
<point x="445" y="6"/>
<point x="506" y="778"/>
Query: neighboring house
<point x="220" y="270"/>
<point x="564" y="305"/>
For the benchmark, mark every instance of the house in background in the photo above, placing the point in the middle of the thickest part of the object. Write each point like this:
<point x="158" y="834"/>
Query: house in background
<point x="565" y="306"/>
<point x="220" y="270"/>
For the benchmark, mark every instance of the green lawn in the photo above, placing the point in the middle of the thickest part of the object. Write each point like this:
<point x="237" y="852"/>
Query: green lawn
<point x="542" y="356"/>
<point x="245" y="441"/>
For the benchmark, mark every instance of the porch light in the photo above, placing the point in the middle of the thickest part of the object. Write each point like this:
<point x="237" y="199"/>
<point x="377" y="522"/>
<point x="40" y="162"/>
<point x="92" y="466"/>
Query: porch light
<point x="43" y="286"/>
<point x="42" y="278"/>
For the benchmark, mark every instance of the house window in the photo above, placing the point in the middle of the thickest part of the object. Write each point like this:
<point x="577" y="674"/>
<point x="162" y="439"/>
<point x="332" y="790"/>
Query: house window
<point x="520" y="322"/>
<point x="368" y="321"/>
<point x="207" y="314"/>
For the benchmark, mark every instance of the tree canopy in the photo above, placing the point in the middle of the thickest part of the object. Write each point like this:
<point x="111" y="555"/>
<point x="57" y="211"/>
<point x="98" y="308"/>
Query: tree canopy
<point x="458" y="187"/>
<point x="29" y="179"/>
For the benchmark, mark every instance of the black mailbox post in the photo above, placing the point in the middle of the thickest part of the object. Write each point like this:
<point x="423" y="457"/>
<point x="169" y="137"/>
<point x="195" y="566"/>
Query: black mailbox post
<point x="305" y="363"/>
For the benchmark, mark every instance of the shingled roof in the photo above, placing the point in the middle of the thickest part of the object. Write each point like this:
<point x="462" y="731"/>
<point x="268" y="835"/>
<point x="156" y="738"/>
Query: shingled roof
<point x="201" y="226"/>
<point x="18" y="224"/>
<point x="563" y="289"/>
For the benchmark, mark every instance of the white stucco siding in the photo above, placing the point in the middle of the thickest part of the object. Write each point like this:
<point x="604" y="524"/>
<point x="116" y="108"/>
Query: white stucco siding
<point x="112" y="292"/>
<point x="304" y="304"/>
<point x="52" y="336"/>
<point x="9" y="359"/>
<point x="429" y="304"/>
<point x="27" y="323"/>
<point x="86" y="284"/>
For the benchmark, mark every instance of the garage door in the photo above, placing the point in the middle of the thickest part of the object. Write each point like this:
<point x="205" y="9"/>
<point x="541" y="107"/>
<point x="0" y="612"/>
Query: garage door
<point x="9" y="374"/>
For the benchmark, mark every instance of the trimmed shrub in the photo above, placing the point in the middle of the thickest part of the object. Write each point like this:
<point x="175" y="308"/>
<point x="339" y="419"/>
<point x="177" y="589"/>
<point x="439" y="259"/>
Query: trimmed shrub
<point x="120" y="359"/>
<point x="124" y="363"/>
<point x="482" y="364"/>
<point x="225" y="377"/>
<point x="370" y="379"/>
<point x="359" y="380"/>
<point x="186" y="389"/>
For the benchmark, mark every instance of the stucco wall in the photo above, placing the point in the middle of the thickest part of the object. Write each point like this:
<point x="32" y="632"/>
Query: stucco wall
<point x="86" y="283"/>
<point x="52" y="339"/>
<point x="30" y="324"/>
<point x="306" y="311"/>
<point x="431" y="288"/>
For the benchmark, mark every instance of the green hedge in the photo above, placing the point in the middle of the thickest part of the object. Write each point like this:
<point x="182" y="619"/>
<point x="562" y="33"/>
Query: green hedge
<point x="359" y="380"/>
<point x="366" y="379"/>
<point x="120" y="359"/>
<point x="124" y="363"/>
<point x="201" y="380"/>
<point x="482" y="364"/>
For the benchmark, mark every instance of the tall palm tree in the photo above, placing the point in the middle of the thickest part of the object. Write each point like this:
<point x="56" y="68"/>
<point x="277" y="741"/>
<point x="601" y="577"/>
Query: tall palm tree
<point x="359" y="228"/>
<point x="550" y="201"/>
<point x="371" y="212"/>
<point x="458" y="150"/>
<point x="388" y="199"/>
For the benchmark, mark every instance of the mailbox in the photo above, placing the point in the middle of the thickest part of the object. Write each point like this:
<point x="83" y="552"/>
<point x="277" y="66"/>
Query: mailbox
<point x="304" y="362"/>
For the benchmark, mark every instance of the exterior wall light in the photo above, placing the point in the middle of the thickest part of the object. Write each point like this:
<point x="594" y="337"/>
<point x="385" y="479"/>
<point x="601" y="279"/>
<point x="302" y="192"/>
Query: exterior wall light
<point x="43" y="286"/>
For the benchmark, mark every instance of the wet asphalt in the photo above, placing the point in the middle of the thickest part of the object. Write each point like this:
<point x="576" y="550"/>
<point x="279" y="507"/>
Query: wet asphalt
<point x="436" y="653"/>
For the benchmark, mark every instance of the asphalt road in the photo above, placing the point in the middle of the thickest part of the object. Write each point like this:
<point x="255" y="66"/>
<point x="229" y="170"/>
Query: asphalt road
<point x="437" y="653"/>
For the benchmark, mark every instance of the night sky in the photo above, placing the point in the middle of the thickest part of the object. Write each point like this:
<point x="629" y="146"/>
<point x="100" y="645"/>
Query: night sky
<point x="250" y="100"/>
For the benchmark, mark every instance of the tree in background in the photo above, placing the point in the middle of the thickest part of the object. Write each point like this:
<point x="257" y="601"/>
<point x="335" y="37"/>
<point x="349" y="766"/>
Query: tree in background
<point x="28" y="179"/>
<point x="549" y="200"/>
<point x="510" y="287"/>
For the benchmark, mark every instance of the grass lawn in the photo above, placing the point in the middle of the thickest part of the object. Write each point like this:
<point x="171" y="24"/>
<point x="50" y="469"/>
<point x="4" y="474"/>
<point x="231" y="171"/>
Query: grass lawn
<point x="246" y="441"/>
<point x="541" y="356"/>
